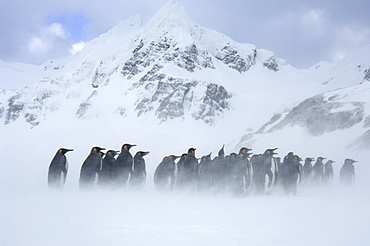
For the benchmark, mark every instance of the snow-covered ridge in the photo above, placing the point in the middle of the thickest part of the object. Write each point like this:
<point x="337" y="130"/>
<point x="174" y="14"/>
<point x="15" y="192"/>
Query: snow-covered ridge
<point x="173" y="69"/>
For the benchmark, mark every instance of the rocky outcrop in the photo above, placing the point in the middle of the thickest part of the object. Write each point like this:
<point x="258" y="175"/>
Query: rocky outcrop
<point x="320" y="115"/>
<point x="172" y="97"/>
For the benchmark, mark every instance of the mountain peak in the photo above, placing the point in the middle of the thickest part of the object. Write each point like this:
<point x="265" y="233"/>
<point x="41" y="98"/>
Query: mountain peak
<point x="170" y="17"/>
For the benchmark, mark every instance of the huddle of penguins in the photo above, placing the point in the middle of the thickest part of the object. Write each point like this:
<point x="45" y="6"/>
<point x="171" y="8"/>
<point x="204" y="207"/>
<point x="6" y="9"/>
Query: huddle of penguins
<point x="237" y="174"/>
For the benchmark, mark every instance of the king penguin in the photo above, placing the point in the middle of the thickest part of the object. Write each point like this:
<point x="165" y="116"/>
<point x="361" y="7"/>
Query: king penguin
<point x="91" y="168"/>
<point x="188" y="172"/>
<point x="58" y="169"/>
<point x="205" y="174"/>
<point x="266" y="176"/>
<point x="221" y="172"/>
<point x="238" y="174"/>
<point x="307" y="171"/>
<point x="347" y="173"/>
<point x="328" y="175"/>
<point x="164" y="175"/>
<point x="123" y="166"/>
<point x="243" y="152"/>
<point x="318" y="171"/>
<point x="138" y="176"/>
<point x="106" y="176"/>
<point x="290" y="173"/>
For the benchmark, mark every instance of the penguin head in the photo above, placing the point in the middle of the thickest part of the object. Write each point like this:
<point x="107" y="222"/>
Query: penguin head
<point x="173" y="157"/>
<point x="270" y="151"/>
<point x="128" y="146"/>
<point x="142" y="153"/>
<point x="330" y="162"/>
<point x="350" y="161"/>
<point x="207" y="157"/>
<point x="63" y="150"/>
<point x="97" y="149"/>
<point x="112" y="152"/>
<point x="244" y="150"/>
<point x="321" y="158"/>
<point x="191" y="151"/>
<point x="233" y="155"/>
<point x="222" y="151"/>
<point x="308" y="159"/>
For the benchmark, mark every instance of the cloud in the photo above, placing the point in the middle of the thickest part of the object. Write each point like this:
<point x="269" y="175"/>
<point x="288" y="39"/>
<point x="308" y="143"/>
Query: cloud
<point x="77" y="47"/>
<point x="49" y="42"/>
<point x="347" y="38"/>
<point x="314" y="22"/>
<point x="302" y="32"/>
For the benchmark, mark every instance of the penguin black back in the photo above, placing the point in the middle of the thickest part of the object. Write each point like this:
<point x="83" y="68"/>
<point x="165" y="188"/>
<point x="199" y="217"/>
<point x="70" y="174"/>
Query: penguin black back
<point x="138" y="176"/>
<point x="58" y="169"/>
<point x="124" y="165"/>
<point x="91" y="168"/>
<point x="106" y="176"/>
<point x="164" y="175"/>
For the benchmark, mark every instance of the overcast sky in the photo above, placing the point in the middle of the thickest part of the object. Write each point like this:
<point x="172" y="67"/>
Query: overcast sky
<point x="302" y="32"/>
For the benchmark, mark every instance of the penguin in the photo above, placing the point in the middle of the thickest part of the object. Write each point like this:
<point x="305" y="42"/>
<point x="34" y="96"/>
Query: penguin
<point x="307" y="171"/>
<point x="106" y="177"/>
<point x="243" y="152"/>
<point x="188" y="172"/>
<point x="164" y="175"/>
<point x="268" y="172"/>
<point x="138" y="176"/>
<point x="279" y="164"/>
<point x="347" y="173"/>
<point x="290" y="173"/>
<point x="258" y="174"/>
<point x="91" y="168"/>
<point x="58" y="169"/>
<point x="221" y="172"/>
<point x="270" y="165"/>
<point x="318" y="171"/>
<point x="205" y="174"/>
<point x="238" y="174"/>
<point x="123" y="166"/>
<point x="327" y="177"/>
<point x="179" y="163"/>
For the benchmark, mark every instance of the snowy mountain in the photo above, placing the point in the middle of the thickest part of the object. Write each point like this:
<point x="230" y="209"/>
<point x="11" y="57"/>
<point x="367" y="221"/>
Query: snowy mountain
<point x="172" y="72"/>
<point x="165" y="86"/>
<point x="171" y="66"/>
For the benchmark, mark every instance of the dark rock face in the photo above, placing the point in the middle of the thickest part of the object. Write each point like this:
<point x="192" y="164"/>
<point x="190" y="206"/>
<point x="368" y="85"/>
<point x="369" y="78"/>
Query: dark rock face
<point x="167" y="51"/>
<point x="230" y="56"/>
<point x="14" y="109"/>
<point x="367" y="74"/>
<point x="85" y="105"/>
<point x="214" y="103"/>
<point x="172" y="97"/>
<point x="320" y="115"/>
<point x="29" y="104"/>
<point x="271" y="64"/>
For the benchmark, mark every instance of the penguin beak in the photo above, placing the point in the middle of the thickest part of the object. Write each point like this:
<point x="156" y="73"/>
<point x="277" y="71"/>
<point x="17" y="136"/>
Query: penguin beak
<point x="67" y="150"/>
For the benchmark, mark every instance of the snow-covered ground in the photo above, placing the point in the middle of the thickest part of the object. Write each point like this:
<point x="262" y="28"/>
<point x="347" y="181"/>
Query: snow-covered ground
<point x="31" y="214"/>
<point x="41" y="217"/>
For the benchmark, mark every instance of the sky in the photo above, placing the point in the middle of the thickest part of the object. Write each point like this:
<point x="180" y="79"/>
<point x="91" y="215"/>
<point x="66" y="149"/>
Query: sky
<point x="301" y="32"/>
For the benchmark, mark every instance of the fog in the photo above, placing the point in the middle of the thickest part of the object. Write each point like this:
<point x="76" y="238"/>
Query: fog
<point x="31" y="214"/>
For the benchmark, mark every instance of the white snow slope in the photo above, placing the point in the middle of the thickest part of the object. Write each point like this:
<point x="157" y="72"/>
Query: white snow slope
<point x="31" y="214"/>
